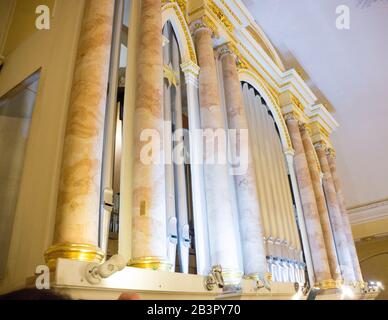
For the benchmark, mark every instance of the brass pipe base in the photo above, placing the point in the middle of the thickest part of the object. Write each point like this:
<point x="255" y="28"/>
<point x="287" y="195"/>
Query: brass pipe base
<point x="151" y="263"/>
<point x="73" y="251"/>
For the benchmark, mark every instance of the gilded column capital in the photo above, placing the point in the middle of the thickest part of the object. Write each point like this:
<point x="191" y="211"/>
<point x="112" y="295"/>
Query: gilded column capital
<point x="304" y="128"/>
<point x="289" y="152"/>
<point x="191" y="71"/>
<point x="290" y="117"/>
<point x="225" y="49"/>
<point x="231" y="49"/>
<point x="330" y="152"/>
<point x="203" y="24"/>
<point x="320" y="145"/>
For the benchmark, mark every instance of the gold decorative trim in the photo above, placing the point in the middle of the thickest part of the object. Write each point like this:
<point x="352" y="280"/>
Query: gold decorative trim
<point x="256" y="276"/>
<point x="182" y="20"/>
<point x="73" y="251"/>
<point x="277" y="84"/>
<point x="191" y="68"/>
<point x="328" y="284"/>
<point x="183" y="5"/>
<point x="151" y="263"/>
<point x="230" y="11"/>
<point x="361" y="284"/>
<point x="211" y="9"/>
<point x="220" y="15"/>
<point x="318" y="129"/>
<point x="232" y="277"/>
<point x="297" y="103"/>
<point x="170" y="75"/>
<point x="196" y="11"/>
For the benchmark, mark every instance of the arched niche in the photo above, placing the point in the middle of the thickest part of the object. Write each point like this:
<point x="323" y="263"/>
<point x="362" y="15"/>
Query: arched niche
<point x="172" y="12"/>
<point x="251" y="78"/>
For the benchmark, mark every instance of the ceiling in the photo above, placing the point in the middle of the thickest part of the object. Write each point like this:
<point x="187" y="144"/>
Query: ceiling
<point x="348" y="72"/>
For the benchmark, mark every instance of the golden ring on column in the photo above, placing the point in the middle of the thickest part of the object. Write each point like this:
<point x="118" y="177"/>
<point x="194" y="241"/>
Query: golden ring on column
<point x="73" y="251"/>
<point x="152" y="263"/>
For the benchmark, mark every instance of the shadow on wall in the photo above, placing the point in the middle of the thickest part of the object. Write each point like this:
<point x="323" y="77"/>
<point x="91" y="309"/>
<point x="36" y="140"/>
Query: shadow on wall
<point x="373" y="255"/>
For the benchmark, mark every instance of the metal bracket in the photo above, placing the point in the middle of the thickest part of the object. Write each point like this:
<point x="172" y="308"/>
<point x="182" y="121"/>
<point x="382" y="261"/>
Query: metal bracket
<point x="264" y="282"/>
<point x="215" y="278"/>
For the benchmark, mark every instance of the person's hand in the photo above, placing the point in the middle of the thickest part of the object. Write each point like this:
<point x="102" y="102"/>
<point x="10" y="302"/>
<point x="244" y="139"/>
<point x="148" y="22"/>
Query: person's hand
<point x="129" y="296"/>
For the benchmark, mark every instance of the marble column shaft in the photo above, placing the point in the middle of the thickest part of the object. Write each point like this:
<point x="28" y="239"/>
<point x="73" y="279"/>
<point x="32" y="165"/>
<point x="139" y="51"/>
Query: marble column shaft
<point x="78" y="204"/>
<point x="223" y="236"/>
<point x="335" y="216"/>
<point x="149" y="201"/>
<point x="310" y="210"/>
<point x="254" y="255"/>
<point x="321" y="204"/>
<point x="345" y="217"/>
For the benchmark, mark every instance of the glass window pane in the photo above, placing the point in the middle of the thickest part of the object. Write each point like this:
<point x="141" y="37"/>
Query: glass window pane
<point x="15" y="117"/>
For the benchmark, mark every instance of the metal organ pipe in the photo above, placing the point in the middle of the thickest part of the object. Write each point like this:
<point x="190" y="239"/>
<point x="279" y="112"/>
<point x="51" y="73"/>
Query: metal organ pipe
<point x="263" y="178"/>
<point x="251" y="114"/>
<point x="280" y="228"/>
<point x="263" y="164"/>
<point x="283" y="192"/>
<point x="274" y="214"/>
<point x="285" y="237"/>
<point x="172" y="236"/>
<point x="284" y="234"/>
<point x="179" y="170"/>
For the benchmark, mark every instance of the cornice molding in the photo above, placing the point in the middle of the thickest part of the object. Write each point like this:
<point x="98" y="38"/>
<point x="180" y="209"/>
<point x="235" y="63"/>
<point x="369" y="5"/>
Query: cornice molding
<point x="233" y="23"/>
<point x="320" y="114"/>
<point x="321" y="123"/>
<point x="369" y="212"/>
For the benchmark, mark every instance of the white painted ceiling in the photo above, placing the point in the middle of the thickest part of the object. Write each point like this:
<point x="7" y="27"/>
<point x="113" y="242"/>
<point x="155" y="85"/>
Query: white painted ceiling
<point x="348" y="71"/>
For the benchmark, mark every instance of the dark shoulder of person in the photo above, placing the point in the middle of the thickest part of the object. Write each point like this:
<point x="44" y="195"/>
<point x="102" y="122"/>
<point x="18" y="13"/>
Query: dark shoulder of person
<point x="33" y="294"/>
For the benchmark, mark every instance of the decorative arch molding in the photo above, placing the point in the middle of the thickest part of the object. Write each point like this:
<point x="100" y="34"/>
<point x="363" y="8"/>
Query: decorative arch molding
<point x="173" y="13"/>
<point x="251" y="78"/>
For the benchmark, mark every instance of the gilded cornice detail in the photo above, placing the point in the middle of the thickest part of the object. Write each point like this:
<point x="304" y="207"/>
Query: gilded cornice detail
<point x="321" y="129"/>
<point x="297" y="103"/>
<point x="230" y="11"/>
<point x="210" y="9"/>
<point x="214" y="16"/>
<point x="220" y="15"/>
<point x="181" y="3"/>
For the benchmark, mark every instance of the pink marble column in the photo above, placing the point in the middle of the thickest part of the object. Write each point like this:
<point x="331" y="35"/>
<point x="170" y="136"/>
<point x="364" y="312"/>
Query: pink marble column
<point x="77" y="221"/>
<point x="310" y="209"/>
<point x="254" y="256"/>
<point x="335" y="216"/>
<point x="345" y="218"/>
<point x="223" y="232"/>
<point x="321" y="203"/>
<point x="149" y="247"/>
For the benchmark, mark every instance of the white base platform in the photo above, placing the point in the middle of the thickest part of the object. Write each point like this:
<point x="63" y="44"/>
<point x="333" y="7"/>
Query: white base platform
<point x="69" y="278"/>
